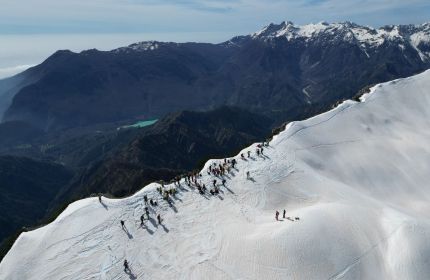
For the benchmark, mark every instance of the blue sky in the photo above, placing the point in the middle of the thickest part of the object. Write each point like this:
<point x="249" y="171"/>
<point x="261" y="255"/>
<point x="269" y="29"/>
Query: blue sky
<point x="32" y="29"/>
<point x="158" y="16"/>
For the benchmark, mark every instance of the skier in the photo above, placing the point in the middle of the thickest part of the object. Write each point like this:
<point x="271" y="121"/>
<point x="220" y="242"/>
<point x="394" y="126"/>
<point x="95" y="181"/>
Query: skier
<point x="247" y="174"/>
<point x="147" y="212"/>
<point x="223" y="182"/>
<point x="122" y="223"/>
<point x="277" y="215"/>
<point x="100" y="198"/>
<point x="249" y="153"/>
<point x="145" y="198"/>
<point x="200" y="189"/>
<point x="159" y="219"/>
<point x="233" y="162"/>
<point x="283" y="215"/>
<point x="214" y="183"/>
<point x="142" y="218"/>
<point x="126" y="267"/>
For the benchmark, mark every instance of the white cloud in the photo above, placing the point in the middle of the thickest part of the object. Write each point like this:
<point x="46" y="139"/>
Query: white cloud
<point x="10" y="71"/>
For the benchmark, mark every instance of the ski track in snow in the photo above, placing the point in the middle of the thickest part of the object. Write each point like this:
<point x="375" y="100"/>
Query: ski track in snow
<point x="357" y="183"/>
<point x="341" y="274"/>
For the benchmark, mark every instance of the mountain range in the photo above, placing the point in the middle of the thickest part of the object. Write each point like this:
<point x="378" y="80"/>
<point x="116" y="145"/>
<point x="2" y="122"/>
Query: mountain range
<point x="281" y="71"/>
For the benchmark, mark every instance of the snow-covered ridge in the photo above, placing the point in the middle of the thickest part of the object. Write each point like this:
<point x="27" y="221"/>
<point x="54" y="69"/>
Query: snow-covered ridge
<point x="143" y="46"/>
<point x="356" y="177"/>
<point x="365" y="36"/>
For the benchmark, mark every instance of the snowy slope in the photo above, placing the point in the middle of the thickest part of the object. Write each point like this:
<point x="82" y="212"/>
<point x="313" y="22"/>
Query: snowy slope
<point x="357" y="177"/>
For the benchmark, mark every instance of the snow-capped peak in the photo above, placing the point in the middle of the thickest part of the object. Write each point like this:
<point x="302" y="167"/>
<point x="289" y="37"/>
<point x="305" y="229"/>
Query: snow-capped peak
<point x="141" y="46"/>
<point x="418" y="36"/>
<point x="309" y="31"/>
<point x="289" y="30"/>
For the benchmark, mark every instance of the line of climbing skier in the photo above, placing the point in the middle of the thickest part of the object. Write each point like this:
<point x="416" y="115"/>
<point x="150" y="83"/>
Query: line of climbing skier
<point x="219" y="171"/>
